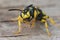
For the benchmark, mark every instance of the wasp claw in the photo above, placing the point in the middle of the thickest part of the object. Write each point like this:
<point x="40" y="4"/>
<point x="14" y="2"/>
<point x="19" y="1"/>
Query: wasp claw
<point x="49" y="34"/>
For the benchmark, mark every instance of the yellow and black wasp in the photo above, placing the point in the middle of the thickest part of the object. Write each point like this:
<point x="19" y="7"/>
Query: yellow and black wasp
<point x="32" y="14"/>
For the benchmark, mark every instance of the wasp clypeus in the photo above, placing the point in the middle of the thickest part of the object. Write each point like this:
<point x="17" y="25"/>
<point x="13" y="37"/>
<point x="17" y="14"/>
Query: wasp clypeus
<point x="32" y="14"/>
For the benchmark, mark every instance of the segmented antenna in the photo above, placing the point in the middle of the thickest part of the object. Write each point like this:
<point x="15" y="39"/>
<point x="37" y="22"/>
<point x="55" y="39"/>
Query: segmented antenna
<point x="14" y="10"/>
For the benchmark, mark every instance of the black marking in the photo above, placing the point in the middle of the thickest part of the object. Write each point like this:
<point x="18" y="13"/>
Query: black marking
<point x="14" y="10"/>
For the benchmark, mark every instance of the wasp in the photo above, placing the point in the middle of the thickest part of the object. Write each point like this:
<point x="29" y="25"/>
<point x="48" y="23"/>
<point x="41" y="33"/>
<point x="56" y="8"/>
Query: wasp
<point x="32" y="14"/>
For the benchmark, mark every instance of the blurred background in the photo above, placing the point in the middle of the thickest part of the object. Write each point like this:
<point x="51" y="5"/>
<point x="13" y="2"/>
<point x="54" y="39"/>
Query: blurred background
<point x="50" y="7"/>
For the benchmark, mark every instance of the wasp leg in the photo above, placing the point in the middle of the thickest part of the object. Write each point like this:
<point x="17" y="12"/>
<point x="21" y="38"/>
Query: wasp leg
<point x="14" y="19"/>
<point x="46" y="25"/>
<point x="26" y="22"/>
<point x="33" y="23"/>
<point x="52" y="21"/>
<point x="19" y="24"/>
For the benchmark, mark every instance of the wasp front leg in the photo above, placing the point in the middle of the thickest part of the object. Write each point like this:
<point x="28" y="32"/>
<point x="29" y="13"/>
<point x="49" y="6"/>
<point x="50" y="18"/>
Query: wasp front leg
<point x="19" y="24"/>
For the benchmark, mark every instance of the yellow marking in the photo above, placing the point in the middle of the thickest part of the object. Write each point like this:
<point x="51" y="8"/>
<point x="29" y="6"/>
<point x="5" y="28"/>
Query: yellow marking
<point x="38" y="12"/>
<point x="43" y="20"/>
<point x="22" y="14"/>
<point x="26" y="15"/>
<point x="43" y="12"/>
<point x="52" y="21"/>
<point x="46" y="25"/>
<point x="35" y="14"/>
<point x="45" y="17"/>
